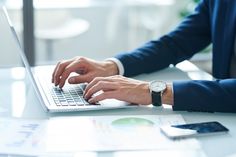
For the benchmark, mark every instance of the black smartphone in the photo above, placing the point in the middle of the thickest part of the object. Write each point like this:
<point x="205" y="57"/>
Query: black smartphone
<point x="194" y="129"/>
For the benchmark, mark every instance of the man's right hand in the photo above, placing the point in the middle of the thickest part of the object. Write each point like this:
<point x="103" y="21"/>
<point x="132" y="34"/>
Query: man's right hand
<point x="87" y="69"/>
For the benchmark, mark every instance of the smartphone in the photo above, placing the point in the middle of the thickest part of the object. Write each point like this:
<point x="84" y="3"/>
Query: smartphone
<point x="194" y="129"/>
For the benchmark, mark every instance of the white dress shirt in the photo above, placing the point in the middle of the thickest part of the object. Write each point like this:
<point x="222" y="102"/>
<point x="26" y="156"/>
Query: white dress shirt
<point x="119" y="65"/>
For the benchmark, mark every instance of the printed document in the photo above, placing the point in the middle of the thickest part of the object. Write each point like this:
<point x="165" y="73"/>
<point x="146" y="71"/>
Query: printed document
<point x="89" y="133"/>
<point x="106" y="133"/>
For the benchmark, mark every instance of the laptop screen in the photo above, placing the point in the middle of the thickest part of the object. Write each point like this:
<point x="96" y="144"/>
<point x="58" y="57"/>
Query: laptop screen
<point x="13" y="62"/>
<point x="48" y="96"/>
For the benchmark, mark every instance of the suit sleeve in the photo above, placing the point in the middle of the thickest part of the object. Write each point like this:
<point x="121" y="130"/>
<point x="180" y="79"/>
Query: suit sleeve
<point x="191" y="36"/>
<point x="206" y="96"/>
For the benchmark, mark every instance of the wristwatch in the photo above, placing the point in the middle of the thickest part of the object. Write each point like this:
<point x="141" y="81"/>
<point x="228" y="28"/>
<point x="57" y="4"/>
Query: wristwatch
<point x="156" y="90"/>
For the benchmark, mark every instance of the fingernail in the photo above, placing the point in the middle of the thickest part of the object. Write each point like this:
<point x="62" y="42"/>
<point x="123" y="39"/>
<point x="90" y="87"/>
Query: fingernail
<point x="90" y="101"/>
<point x="56" y="84"/>
<point x="72" y="80"/>
<point x="60" y="85"/>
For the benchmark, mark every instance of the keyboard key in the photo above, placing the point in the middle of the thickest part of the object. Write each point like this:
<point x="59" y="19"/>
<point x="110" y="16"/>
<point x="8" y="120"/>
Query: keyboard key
<point x="72" y="104"/>
<point x="64" y="103"/>
<point x="69" y="96"/>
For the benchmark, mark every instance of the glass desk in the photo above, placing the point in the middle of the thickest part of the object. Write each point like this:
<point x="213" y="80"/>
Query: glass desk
<point x="18" y="100"/>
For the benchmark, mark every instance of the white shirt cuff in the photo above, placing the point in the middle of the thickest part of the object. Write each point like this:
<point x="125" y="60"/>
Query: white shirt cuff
<point x="119" y="65"/>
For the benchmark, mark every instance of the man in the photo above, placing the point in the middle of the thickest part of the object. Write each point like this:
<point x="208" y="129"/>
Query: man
<point x="214" y="21"/>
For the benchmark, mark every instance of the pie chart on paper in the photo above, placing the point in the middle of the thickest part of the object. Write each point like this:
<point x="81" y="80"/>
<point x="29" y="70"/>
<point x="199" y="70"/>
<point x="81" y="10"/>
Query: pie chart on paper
<point x="132" y="122"/>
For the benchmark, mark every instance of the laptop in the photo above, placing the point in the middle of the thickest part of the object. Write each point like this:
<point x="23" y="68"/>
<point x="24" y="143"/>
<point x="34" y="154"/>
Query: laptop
<point x="54" y="99"/>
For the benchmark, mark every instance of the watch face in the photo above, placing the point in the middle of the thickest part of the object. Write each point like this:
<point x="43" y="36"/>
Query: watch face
<point x="158" y="86"/>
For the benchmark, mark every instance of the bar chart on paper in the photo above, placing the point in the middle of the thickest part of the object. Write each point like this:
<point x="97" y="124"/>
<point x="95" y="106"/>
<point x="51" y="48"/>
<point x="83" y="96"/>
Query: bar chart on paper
<point x="22" y="137"/>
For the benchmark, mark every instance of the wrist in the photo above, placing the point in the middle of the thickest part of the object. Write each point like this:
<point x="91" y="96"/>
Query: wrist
<point x="167" y="96"/>
<point x="111" y="68"/>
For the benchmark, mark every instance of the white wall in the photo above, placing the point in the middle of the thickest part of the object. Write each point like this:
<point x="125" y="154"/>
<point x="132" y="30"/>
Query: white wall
<point x="113" y="28"/>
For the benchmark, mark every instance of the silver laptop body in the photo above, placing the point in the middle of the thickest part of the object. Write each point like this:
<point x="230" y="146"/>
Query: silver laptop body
<point x="48" y="94"/>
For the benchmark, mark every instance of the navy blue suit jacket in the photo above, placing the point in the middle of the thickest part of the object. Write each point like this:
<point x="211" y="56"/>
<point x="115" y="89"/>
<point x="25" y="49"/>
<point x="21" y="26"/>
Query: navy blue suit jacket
<point x="214" y="21"/>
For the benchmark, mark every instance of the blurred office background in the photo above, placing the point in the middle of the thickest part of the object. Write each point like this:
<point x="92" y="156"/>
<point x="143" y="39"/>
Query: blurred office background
<point x="98" y="28"/>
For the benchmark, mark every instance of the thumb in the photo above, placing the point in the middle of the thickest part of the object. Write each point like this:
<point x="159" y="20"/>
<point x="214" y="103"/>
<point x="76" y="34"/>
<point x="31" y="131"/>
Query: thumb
<point x="78" y="79"/>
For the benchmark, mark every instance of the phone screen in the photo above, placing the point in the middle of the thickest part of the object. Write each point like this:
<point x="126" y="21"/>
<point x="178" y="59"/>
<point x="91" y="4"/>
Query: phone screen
<point x="206" y="127"/>
<point x="185" y="130"/>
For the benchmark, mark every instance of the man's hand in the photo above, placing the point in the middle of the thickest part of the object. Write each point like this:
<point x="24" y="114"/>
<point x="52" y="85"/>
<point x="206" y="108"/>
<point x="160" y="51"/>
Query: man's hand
<point x="125" y="89"/>
<point x="87" y="69"/>
<point x="118" y="87"/>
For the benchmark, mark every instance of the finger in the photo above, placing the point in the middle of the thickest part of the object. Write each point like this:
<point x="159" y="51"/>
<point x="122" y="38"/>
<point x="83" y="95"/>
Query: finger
<point x="104" y="95"/>
<point x="54" y="72"/>
<point x="92" y="83"/>
<point x="96" y="80"/>
<point x="59" y="70"/>
<point x="102" y="85"/>
<point x="72" y="67"/>
<point x="79" y="79"/>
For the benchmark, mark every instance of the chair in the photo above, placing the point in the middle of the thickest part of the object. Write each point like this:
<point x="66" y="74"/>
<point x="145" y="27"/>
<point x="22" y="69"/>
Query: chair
<point x="52" y="26"/>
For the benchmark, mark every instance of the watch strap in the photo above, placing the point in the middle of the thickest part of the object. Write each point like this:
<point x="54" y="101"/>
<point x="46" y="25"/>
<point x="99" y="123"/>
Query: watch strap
<point x="156" y="98"/>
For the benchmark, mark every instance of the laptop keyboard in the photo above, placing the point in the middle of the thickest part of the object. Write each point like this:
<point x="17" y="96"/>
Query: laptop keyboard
<point x="70" y="95"/>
